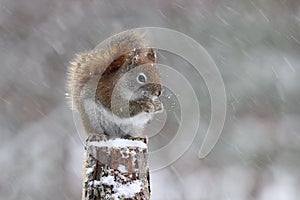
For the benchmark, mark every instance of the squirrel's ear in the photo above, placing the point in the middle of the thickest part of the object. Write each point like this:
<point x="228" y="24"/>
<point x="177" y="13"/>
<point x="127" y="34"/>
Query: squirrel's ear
<point x="144" y="56"/>
<point x="116" y="64"/>
<point x="151" y="54"/>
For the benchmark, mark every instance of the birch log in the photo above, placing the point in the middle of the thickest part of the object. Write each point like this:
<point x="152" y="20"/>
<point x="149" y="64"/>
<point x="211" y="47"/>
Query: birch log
<point x="116" y="169"/>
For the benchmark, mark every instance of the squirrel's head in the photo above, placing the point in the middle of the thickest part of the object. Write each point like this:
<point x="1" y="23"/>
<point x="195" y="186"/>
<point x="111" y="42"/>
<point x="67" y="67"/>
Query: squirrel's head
<point x="131" y="84"/>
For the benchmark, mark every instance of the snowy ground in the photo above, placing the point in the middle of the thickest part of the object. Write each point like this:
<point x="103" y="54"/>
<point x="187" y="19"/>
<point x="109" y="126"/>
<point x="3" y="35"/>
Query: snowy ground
<point x="255" y="44"/>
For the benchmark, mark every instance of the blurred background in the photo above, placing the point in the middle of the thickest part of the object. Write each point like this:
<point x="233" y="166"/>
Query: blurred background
<point x="254" y="43"/>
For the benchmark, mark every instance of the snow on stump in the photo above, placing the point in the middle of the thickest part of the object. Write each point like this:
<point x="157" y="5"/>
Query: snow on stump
<point x="116" y="169"/>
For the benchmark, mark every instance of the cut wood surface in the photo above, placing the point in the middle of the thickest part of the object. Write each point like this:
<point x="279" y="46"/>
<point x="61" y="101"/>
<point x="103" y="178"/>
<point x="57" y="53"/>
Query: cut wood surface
<point x="116" y="169"/>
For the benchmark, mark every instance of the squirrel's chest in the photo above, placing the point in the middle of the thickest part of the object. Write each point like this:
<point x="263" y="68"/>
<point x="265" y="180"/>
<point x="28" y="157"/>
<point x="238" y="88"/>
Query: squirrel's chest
<point x="113" y="125"/>
<point x="132" y="126"/>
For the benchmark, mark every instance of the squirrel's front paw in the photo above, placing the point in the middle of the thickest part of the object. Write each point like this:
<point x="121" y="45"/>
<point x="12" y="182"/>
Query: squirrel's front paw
<point x="154" y="105"/>
<point x="149" y="107"/>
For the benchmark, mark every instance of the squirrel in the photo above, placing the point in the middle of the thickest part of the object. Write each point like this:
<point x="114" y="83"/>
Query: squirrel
<point x="116" y="88"/>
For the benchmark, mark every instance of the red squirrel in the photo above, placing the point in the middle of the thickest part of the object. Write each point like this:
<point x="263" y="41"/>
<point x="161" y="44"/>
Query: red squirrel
<point x="116" y="88"/>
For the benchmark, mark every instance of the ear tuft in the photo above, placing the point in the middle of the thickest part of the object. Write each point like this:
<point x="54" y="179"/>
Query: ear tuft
<point x="151" y="55"/>
<point x="116" y="64"/>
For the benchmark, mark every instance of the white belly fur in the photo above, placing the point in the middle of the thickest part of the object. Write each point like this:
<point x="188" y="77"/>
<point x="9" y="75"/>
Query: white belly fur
<point x="103" y="121"/>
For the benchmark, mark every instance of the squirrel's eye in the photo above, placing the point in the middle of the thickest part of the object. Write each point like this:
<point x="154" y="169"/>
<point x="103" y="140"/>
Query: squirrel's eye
<point x="141" y="78"/>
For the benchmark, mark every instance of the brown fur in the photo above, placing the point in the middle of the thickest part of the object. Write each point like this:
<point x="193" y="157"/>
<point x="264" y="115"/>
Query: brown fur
<point x="94" y="63"/>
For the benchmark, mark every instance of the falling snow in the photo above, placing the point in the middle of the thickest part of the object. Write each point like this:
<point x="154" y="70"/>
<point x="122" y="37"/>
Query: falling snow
<point x="255" y="45"/>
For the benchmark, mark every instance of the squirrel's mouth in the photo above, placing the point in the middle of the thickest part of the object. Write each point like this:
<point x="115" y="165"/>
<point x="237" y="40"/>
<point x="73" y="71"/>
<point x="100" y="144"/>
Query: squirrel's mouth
<point x="146" y="99"/>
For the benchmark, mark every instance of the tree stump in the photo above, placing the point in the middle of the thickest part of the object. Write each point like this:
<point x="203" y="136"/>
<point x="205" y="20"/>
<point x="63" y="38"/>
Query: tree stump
<point x="116" y="169"/>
